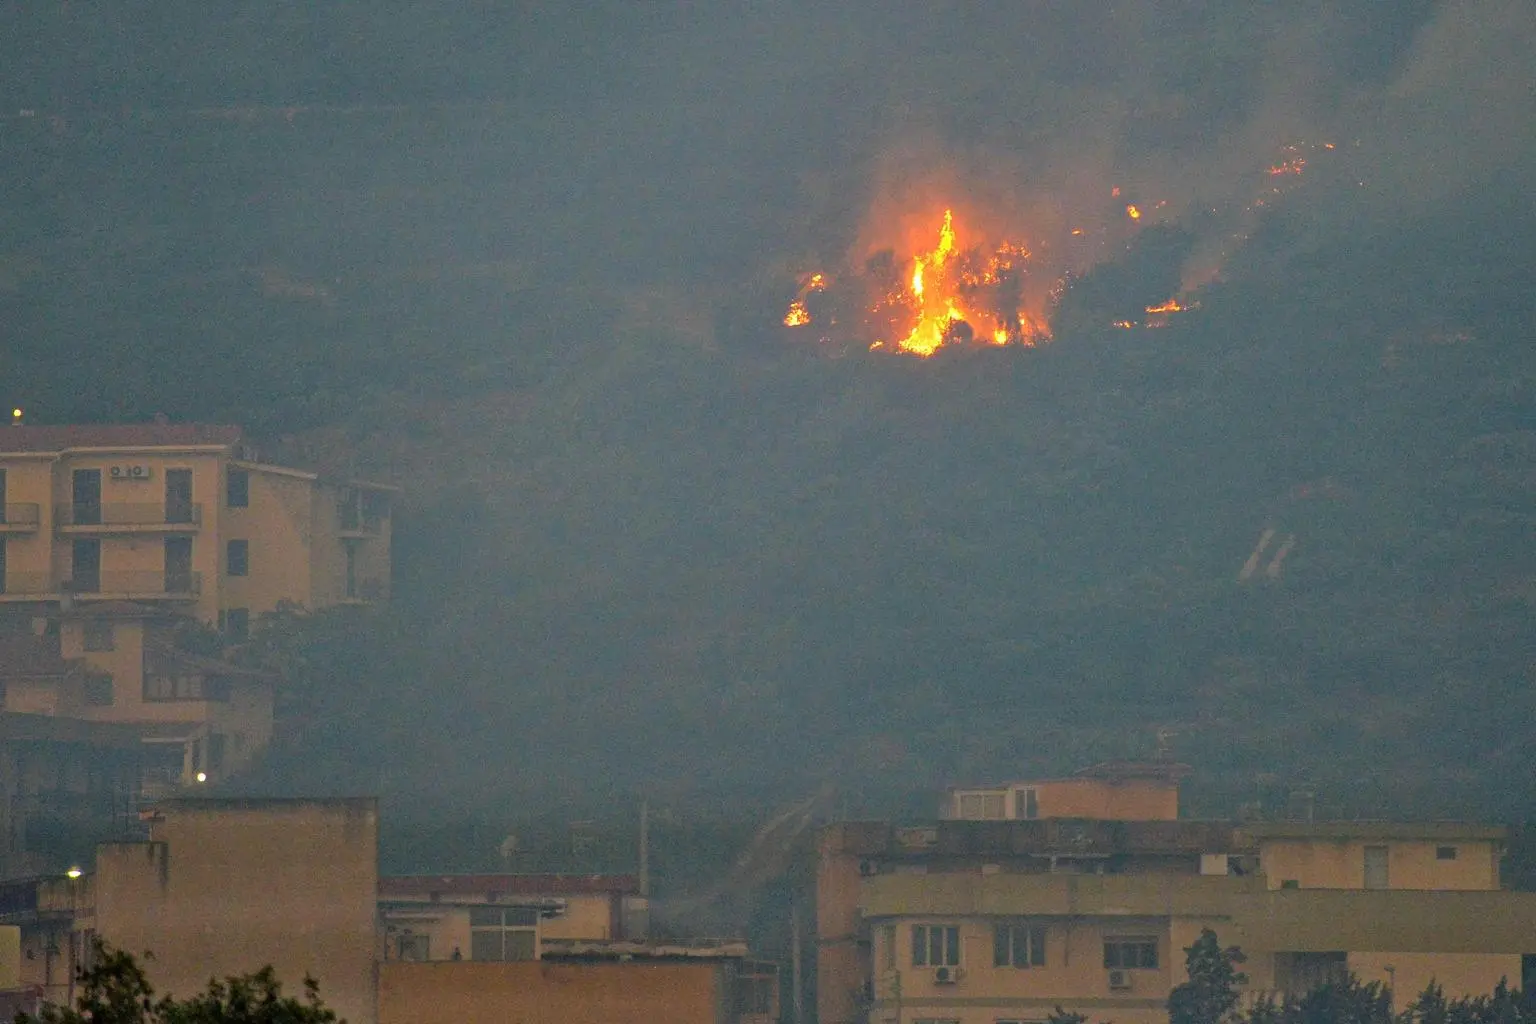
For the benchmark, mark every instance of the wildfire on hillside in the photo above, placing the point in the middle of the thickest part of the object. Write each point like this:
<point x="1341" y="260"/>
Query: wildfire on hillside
<point x="950" y="295"/>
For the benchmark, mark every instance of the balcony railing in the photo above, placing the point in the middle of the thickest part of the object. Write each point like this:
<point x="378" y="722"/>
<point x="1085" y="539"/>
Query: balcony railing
<point x="131" y="515"/>
<point x="27" y="584"/>
<point x="19" y="516"/>
<point x="136" y="585"/>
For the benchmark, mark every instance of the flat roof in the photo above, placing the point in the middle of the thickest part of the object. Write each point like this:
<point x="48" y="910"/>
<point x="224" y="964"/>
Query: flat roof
<point x="1373" y="830"/>
<point x="29" y="440"/>
<point x="398" y="886"/>
<point x="682" y="949"/>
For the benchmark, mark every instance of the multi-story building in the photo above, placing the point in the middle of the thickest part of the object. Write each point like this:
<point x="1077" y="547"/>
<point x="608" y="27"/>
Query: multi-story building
<point x="992" y="916"/>
<point x="111" y="537"/>
<point x="226" y="886"/>
<point x="185" y="516"/>
<point x="221" y="887"/>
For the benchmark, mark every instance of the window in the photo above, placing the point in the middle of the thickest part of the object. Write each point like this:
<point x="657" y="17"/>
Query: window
<point x="1376" y="876"/>
<point x="98" y="691"/>
<point x="237" y="558"/>
<point x="416" y="948"/>
<point x="982" y="806"/>
<point x="1026" y="804"/>
<point x="173" y="687"/>
<point x="216" y="744"/>
<point x="1018" y="945"/>
<point x="502" y="933"/>
<point x="1134" y="953"/>
<point x="935" y="945"/>
<point x="1290" y="883"/>
<point x="1445" y="853"/>
<point x="98" y="635"/>
<point x="85" y="566"/>
<point x="237" y="622"/>
<point x="237" y="488"/>
<point x="2" y="559"/>
<point x="888" y="946"/>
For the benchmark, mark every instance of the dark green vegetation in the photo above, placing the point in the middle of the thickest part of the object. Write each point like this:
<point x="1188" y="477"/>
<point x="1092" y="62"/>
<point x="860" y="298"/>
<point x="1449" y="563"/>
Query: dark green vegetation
<point x="650" y="547"/>
<point x="1211" y="996"/>
<point x="115" y="990"/>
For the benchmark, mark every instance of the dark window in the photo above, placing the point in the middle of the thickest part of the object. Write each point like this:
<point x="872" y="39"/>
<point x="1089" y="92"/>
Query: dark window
<point x="178" y="565"/>
<point x="350" y="582"/>
<point x="216" y="752"/>
<point x="502" y="933"/>
<point x="98" y="635"/>
<point x="1376" y="871"/>
<point x="2" y="564"/>
<point x="1445" y="853"/>
<point x="237" y="558"/>
<point x="415" y="948"/>
<point x="85" y="566"/>
<point x="237" y="488"/>
<point x="98" y="691"/>
<point x="1026" y="804"/>
<point x="86" y="494"/>
<point x="935" y="945"/>
<point x="178" y="496"/>
<point x="237" y="622"/>
<point x="1018" y="945"/>
<point x="1130" y="954"/>
<point x="1290" y="883"/>
<point x="2" y="495"/>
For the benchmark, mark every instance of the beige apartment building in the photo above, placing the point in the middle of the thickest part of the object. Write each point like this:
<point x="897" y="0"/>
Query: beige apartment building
<point x="992" y="916"/>
<point x="111" y="536"/>
<point x="185" y="516"/>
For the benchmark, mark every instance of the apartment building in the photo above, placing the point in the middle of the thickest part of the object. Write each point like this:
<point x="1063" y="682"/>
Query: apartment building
<point x="185" y="516"/>
<point x="991" y="917"/>
<point x="225" y="886"/>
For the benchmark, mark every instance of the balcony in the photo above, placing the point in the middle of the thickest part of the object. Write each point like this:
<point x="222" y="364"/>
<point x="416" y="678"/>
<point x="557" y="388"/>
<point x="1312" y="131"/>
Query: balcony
<point x="27" y="586"/>
<point x="141" y="585"/>
<point x="129" y="517"/>
<point x="365" y="592"/>
<point x="355" y="526"/>
<point x="20" y="517"/>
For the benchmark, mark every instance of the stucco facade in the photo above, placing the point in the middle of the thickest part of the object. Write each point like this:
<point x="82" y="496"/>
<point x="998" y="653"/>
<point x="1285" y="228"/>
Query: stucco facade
<point x="226" y="887"/>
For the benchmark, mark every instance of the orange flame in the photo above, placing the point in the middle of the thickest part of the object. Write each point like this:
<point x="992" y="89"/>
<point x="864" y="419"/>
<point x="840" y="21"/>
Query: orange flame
<point x="1133" y="211"/>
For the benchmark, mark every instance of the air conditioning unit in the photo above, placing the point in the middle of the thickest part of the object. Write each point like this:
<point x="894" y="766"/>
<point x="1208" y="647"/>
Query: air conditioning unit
<point x="946" y="975"/>
<point x="1120" y="981"/>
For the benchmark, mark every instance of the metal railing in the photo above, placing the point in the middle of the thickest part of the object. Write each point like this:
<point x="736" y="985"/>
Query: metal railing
<point x="118" y="513"/>
<point x="27" y="584"/>
<point x="132" y="584"/>
<point x="23" y="514"/>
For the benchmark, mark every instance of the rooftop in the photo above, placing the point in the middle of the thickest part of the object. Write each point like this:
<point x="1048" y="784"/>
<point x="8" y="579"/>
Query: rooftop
<point x="425" y="886"/>
<point x="25" y="439"/>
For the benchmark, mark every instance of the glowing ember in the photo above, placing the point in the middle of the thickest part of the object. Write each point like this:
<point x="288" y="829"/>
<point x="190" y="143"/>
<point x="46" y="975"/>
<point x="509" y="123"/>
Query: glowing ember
<point x="1133" y="211"/>
<point x="948" y="296"/>
<point x="799" y="315"/>
<point x="1295" y="165"/>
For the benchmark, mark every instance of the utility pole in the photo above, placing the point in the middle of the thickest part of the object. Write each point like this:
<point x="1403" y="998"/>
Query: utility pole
<point x="797" y="992"/>
<point x="645" y="848"/>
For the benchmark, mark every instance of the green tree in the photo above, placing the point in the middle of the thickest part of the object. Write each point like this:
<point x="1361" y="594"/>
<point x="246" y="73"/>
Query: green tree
<point x="115" y="990"/>
<point x="1210" y="995"/>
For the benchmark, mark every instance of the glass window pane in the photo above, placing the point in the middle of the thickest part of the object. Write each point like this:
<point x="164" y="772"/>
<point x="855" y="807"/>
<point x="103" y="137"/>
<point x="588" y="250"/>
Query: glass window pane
<point x="919" y="946"/>
<point x="480" y="917"/>
<point x="485" y="945"/>
<point x="1001" y="957"/>
<point x="525" y="917"/>
<point x="1037" y="946"/>
<point x="519" y="944"/>
<point x="952" y="946"/>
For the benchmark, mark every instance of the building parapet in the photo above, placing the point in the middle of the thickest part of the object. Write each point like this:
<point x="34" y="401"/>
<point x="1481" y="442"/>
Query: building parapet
<point x="1046" y="837"/>
<point x="1002" y="895"/>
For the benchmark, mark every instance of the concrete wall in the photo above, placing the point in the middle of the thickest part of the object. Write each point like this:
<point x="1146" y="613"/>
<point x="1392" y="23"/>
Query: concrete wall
<point x="279" y="526"/>
<point x="552" y="993"/>
<point x="1459" y="974"/>
<point x="1131" y="800"/>
<point x="1411" y="864"/>
<point x="226" y="887"/>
